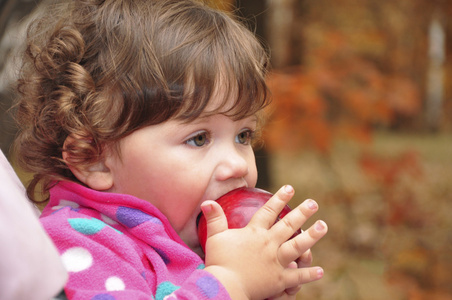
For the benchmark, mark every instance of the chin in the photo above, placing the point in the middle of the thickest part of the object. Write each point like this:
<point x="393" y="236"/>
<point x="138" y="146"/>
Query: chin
<point x="193" y="244"/>
<point x="189" y="235"/>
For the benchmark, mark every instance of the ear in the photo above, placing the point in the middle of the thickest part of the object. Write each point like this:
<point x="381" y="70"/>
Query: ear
<point x="97" y="176"/>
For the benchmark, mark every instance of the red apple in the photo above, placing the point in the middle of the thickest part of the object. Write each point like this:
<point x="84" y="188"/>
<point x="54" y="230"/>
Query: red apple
<point x="239" y="206"/>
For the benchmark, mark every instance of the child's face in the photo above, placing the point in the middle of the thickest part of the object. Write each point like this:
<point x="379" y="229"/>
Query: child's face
<point x="176" y="166"/>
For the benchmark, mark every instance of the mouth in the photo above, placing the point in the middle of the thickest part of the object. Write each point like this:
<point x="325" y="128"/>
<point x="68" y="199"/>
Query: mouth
<point x="241" y="184"/>
<point x="245" y="185"/>
<point x="197" y="219"/>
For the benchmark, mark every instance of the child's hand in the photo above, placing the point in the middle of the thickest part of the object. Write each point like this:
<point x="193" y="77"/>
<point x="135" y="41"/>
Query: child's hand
<point x="304" y="261"/>
<point x="257" y="261"/>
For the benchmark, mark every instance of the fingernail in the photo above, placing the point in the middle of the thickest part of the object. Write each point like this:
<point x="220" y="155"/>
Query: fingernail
<point x="206" y="209"/>
<point x="319" y="225"/>
<point x="288" y="188"/>
<point x="320" y="272"/>
<point x="312" y="204"/>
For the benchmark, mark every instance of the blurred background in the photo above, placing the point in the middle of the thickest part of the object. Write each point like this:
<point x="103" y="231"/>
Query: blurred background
<point x="360" y="122"/>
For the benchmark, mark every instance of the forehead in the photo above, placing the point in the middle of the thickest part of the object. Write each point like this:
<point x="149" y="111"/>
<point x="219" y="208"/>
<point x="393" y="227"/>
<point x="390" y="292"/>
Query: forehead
<point x="223" y="98"/>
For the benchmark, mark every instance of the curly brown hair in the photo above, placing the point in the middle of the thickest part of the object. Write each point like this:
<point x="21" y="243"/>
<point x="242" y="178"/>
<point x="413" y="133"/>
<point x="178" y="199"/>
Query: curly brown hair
<point x="101" y="69"/>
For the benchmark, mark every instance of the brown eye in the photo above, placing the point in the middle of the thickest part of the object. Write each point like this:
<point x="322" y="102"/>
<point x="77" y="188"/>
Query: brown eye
<point x="244" y="137"/>
<point x="198" y="141"/>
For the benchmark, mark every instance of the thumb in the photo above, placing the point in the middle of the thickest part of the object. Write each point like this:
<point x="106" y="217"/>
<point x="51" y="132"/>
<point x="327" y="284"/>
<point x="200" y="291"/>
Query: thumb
<point x="215" y="218"/>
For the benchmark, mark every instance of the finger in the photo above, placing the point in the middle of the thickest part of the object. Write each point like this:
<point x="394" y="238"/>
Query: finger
<point x="287" y="294"/>
<point x="305" y="260"/>
<point x="293" y="221"/>
<point x="268" y="213"/>
<point x="215" y="218"/>
<point x="294" y="248"/>
<point x="296" y="277"/>
<point x="294" y="290"/>
<point x="293" y="265"/>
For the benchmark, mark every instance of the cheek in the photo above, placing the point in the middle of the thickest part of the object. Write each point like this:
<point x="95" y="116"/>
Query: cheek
<point x="251" y="178"/>
<point x="177" y="194"/>
<point x="181" y="205"/>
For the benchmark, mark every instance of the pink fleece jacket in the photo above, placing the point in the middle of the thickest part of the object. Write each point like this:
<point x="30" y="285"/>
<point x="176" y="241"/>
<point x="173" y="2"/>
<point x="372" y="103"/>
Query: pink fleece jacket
<point x="120" y="247"/>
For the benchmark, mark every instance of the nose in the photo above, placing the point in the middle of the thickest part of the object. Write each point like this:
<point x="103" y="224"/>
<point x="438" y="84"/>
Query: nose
<point x="232" y="164"/>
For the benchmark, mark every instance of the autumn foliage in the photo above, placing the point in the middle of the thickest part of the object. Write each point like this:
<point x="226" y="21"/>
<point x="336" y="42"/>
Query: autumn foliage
<point x="362" y="70"/>
<point x="339" y="96"/>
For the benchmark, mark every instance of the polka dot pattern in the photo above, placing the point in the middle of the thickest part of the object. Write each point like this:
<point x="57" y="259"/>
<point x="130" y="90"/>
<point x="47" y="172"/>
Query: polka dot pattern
<point x="164" y="289"/>
<point x="77" y="259"/>
<point x="132" y="217"/>
<point x="114" y="283"/>
<point x="109" y="266"/>
<point x="103" y="297"/>
<point x="65" y="203"/>
<point x="208" y="286"/>
<point x="87" y="226"/>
